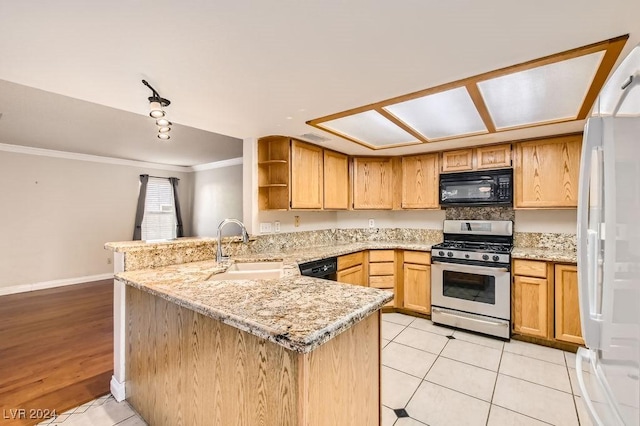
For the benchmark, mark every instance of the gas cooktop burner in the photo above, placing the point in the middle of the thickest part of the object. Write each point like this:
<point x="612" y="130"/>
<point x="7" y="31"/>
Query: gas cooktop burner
<point x="475" y="246"/>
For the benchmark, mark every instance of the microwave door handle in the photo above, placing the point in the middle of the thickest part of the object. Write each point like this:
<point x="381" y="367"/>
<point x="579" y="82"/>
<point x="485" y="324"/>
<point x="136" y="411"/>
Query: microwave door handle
<point x="588" y="236"/>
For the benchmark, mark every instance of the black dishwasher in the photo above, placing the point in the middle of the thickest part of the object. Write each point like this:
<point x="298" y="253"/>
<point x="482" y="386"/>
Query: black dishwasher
<point x="325" y="268"/>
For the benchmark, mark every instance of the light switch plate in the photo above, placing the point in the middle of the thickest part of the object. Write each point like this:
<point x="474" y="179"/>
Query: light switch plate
<point x="265" y="227"/>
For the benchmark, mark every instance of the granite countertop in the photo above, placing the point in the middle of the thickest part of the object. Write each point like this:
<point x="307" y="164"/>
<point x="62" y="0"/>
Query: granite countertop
<point x="549" y="255"/>
<point x="299" y="313"/>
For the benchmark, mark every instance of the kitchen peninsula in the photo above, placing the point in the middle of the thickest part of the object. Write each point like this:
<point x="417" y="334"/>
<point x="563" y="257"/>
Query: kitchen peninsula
<point x="288" y="351"/>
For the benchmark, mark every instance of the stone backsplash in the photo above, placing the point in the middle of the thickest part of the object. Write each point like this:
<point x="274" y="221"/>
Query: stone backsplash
<point x="550" y="241"/>
<point x="480" y="213"/>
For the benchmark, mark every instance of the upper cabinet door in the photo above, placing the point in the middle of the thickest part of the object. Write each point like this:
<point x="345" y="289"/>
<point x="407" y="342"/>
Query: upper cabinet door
<point x="546" y="172"/>
<point x="457" y="161"/>
<point x="336" y="180"/>
<point x="306" y="176"/>
<point x="420" y="182"/>
<point x="491" y="157"/>
<point x="372" y="183"/>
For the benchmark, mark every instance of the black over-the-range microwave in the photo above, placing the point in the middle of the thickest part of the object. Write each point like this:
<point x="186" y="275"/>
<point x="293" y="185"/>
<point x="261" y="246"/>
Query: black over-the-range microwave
<point x="478" y="188"/>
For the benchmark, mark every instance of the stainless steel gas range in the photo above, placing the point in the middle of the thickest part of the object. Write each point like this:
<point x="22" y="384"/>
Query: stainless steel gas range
<point x="471" y="276"/>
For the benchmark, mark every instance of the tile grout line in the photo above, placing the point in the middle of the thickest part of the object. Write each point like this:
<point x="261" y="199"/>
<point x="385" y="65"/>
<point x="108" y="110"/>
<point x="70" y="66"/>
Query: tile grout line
<point x="575" y="403"/>
<point x="495" y="384"/>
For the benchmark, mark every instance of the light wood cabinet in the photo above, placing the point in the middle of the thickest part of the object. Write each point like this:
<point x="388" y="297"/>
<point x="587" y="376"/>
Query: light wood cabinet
<point x="416" y="281"/>
<point x="353" y="275"/>
<point x="352" y="269"/>
<point x="546" y="172"/>
<point x="493" y="156"/>
<point x="336" y="180"/>
<point x="372" y="183"/>
<point x="530" y="306"/>
<point x="382" y="272"/>
<point x="457" y="161"/>
<point x="306" y="176"/>
<point x="273" y="173"/>
<point x="420" y="182"/>
<point x="567" y="306"/>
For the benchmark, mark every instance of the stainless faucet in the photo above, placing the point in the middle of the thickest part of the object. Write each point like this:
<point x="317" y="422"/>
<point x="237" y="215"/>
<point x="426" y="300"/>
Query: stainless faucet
<point x="245" y="237"/>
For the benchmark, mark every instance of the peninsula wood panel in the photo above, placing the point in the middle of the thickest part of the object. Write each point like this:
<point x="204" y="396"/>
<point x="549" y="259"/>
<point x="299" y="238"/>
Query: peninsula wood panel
<point x="184" y="368"/>
<point x="567" y="306"/>
<point x="530" y="306"/>
<point x="336" y="380"/>
<point x="493" y="156"/>
<point x="372" y="183"/>
<point x="306" y="176"/>
<point x="457" y="161"/>
<point x="420" y="182"/>
<point x="546" y="172"/>
<point x="336" y="180"/>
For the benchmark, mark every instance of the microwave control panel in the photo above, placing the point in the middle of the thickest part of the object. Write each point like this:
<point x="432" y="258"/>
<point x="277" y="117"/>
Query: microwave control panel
<point x="504" y="188"/>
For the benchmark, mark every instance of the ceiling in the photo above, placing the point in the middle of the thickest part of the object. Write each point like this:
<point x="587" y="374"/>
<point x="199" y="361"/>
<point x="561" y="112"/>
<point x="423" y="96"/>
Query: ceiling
<point x="250" y="68"/>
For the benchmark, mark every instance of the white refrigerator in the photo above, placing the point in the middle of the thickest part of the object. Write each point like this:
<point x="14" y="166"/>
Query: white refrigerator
<point x="608" y="370"/>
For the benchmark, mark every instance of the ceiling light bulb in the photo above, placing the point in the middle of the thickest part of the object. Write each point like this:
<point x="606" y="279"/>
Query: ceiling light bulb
<point x="164" y="129"/>
<point x="163" y="136"/>
<point x="156" y="110"/>
<point x="162" y="122"/>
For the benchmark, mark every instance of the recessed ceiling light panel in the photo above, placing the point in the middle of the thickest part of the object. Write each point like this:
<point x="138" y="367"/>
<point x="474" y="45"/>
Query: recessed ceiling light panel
<point x="441" y="115"/>
<point x="370" y="127"/>
<point x="548" y="93"/>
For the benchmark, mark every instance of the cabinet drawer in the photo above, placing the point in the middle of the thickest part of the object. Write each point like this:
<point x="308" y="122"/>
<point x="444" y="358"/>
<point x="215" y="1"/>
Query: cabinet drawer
<point x="350" y="260"/>
<point x="530" y="268"/>
<point x="384" y="281"/>
<point x="382" y="268"/>
<point x="417" y="257"/>
<point x="380" y="255"/>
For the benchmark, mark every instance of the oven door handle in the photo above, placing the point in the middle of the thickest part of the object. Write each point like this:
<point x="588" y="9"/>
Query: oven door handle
<point x="462" y="265"/>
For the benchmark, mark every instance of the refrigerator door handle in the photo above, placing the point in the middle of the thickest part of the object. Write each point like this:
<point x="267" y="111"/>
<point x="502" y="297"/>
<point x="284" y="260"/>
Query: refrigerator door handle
<point x="588" y="238"/>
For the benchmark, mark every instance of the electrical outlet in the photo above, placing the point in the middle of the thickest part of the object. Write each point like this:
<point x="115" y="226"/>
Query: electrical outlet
<point x="296" y="221"/>
<point x="372" y="223"/>
<point x="108" y="261"/>
<point x="265" y="227"/>
<point x="276" y="226"/>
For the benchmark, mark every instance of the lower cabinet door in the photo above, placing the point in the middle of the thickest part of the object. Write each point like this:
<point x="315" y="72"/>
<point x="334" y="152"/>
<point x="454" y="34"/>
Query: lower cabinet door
<point x="353" y="275"/>
<point x="567" y="307"/>
<point x="417" y="287"/>
<point x="530" y="306"/>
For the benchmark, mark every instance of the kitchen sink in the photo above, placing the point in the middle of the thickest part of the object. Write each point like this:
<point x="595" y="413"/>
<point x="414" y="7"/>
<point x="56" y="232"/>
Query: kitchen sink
<point x="251" y="271"/>
<point x="255" y="266"/>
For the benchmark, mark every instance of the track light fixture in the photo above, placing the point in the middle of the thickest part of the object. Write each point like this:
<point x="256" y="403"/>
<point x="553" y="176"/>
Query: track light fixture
<point x="156" y="110"/>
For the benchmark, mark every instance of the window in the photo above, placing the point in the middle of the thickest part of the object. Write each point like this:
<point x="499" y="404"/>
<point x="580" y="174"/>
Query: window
<point x="159" y="222"/>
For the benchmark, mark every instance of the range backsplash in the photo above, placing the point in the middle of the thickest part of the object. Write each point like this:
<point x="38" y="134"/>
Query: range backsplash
<point x="480" y="213"/>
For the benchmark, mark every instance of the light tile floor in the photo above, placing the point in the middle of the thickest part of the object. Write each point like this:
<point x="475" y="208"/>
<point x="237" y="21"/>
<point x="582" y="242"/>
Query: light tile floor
<point x="439" y="377"/>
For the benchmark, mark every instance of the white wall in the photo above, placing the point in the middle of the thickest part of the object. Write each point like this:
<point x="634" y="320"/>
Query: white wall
<point x="560" y="221"/>
<point x="57" y="214"/>
<point x="217" y="195"/>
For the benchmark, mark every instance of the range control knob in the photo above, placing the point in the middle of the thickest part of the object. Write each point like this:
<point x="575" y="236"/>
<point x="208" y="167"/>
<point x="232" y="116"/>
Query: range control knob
<point x="466" y="256"/>
<point x="450" y="254"/>
<point x="485" y="257"/>
<point x="496" y="257"/>
<point x="440" y="253"/>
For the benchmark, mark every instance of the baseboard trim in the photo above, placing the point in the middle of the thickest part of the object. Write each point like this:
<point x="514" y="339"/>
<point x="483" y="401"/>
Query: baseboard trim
<point x="117" y="389"/>
<point x="23" y="288"/>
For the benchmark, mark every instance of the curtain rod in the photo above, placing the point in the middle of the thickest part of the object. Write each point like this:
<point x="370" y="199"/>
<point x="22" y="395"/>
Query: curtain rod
<point x="161" y="177"/>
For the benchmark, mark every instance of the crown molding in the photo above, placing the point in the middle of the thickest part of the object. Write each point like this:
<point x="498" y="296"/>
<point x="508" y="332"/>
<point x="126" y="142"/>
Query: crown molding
<point x="218" y="164"/>
<point x="19" y="149"/>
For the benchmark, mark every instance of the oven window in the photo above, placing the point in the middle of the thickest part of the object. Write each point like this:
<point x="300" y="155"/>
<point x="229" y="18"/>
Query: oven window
<point x="476" y="190"/>
<point x="477" y="288"/>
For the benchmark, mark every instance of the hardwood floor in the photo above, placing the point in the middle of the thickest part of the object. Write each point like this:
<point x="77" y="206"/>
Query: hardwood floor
<point x="56" y="349"/>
